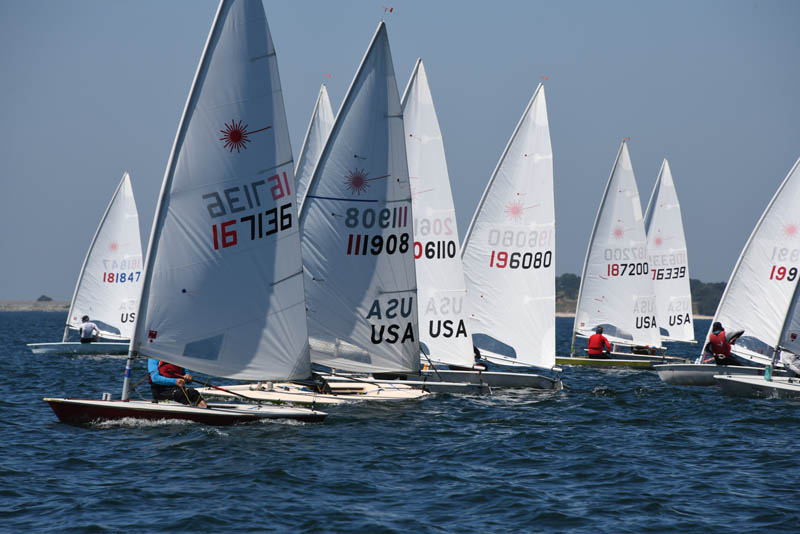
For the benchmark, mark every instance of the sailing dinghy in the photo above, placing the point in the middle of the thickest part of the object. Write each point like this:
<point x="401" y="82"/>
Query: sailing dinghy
<point x="358" y="247"/>
<point x="223" y="286"/>
<point x="758" y="297"/>
<point x="509" y="254"/>
<point x="668" y="261"/>
<point x="109" y="283"/>
<point x="616" y="290"/>
<point x="356" y="220"/>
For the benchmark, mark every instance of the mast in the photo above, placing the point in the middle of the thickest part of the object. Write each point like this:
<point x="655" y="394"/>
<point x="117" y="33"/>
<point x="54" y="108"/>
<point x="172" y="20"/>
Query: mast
<point x="155" y="231"/>
<point x="589" y="249"/>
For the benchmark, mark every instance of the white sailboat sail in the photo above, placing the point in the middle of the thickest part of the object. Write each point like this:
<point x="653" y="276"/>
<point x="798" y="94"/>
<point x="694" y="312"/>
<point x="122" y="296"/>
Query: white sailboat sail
<point x="223" y="292"/>
<point x="509" y="249"/>
<point x="668" y="260"/>
<point x="318" y="130"/>
<point x="759" y="291"/>
<point x="110" y="280"/>
<point x="440" y="276"/>
<point x="358" y="245"/>
<point x="616" y="290"/>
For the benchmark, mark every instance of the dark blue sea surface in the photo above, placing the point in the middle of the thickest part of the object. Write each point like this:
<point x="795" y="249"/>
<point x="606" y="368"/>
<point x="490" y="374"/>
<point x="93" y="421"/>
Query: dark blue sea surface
<point x="618" y="451"/>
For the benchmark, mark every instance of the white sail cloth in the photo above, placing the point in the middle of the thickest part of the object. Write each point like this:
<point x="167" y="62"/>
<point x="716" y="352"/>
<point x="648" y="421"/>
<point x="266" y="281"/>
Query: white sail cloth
<point x="358" y="245"/>
<point x="759" y="291"/>
<point x="440" y="276"/>
<point x="110" y="280"/>
<point x="668" y="260"/>
<point x="616" y="290"/>
<point x="223" y="292"/>
<point x="318" y="130"/>
<point x="509" y="249"/>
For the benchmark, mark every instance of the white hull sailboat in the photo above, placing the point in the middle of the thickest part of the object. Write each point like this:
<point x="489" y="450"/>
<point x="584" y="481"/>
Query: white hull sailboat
<point x="357" y="242"/>
<point x="758" y="296"/>
<point x="75" y="347"/>
<point x="223" y="286"/>
<point x="109" y="282"/>
<point x="693" y="374"/>
<point x="509" y="255"/>
<point x="770" y="384"/>
<point x="616" y="290"/>
<point x="339" y="389"/>
<point x="757" y="386"/>
<point x="447" y="350"/>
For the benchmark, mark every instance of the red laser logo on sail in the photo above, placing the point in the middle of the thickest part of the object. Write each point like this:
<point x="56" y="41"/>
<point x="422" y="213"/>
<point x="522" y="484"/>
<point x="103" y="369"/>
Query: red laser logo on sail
<point x="515" y="210"/>
<point x="619" y="232"/>
<point x="659" y="241"/>
<point x="236" y="136"/>
<point x="790" y="230"/>
<point x="357" y="181"/>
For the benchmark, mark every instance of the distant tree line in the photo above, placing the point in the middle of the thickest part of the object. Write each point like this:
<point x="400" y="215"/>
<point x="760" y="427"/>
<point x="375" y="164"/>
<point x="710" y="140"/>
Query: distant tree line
<point x="705" y="297"/>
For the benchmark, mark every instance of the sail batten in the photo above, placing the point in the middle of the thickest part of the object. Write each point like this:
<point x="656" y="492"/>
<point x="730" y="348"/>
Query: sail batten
<point x="509" y="248"/>
<point x="616" y="290"/>
<point x="668" y="260"/>
<point x="356" y="218"/>
<point x="110" y="279"/>
<point x="221" y="295"/>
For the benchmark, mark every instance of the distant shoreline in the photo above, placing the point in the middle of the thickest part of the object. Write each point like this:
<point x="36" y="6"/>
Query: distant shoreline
<point x="56" y="306"/>
<point x="22" y="305"/>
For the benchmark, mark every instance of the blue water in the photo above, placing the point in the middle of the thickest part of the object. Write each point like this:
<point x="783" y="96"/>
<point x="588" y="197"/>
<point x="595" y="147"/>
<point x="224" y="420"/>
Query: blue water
<point x="619" y="451"/>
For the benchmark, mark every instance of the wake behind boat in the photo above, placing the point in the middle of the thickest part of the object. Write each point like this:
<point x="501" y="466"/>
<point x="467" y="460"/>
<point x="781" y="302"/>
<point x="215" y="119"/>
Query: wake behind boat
<point x="109" y="281"/>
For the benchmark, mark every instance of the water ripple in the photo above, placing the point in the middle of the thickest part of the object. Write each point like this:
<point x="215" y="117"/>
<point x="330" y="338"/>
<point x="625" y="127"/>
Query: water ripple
<point x="618" y="451"/>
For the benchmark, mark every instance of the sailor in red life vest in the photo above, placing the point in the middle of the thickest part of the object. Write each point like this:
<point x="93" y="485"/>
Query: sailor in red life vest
<point x="719" y="346"/>
<point x="168" y="382"/>
<point x="599" y="347"/>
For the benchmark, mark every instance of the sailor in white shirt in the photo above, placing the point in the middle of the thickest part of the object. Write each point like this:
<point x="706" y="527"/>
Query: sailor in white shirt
<point x="88" y="330"/>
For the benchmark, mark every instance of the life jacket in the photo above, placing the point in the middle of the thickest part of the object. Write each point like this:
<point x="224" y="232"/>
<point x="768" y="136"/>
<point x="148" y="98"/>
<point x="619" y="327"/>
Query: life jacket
<point x="597" y="343"/>
<point x="168" y="370"/>
<point x="719" y="344"/>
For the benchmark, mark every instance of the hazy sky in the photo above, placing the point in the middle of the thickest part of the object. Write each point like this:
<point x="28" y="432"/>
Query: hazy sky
<point x="93" y="88"/>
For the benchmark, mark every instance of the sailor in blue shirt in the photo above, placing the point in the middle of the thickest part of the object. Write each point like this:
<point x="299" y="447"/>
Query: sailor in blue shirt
<point x="168" y="382"/>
